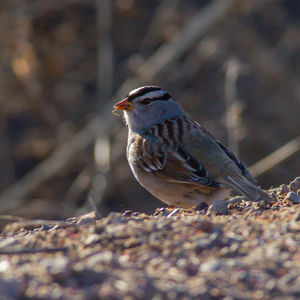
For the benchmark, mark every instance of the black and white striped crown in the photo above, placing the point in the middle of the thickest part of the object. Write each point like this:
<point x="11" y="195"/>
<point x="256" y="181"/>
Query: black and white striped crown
<point x="152" y="93"/>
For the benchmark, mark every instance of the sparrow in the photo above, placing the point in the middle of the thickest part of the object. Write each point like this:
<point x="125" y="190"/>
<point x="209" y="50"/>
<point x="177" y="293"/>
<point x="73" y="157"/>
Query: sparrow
<point x="175" y="158"/>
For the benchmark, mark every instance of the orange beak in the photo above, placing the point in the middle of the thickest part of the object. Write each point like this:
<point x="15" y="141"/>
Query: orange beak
<point x="124" y="105"/>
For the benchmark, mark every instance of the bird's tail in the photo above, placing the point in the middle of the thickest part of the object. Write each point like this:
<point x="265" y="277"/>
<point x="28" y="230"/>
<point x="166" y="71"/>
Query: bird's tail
<point x="243" y="186"/>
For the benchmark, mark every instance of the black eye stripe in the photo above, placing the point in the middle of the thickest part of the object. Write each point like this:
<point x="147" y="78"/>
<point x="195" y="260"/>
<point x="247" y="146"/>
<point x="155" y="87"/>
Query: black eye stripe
<point x="164" y="97"/>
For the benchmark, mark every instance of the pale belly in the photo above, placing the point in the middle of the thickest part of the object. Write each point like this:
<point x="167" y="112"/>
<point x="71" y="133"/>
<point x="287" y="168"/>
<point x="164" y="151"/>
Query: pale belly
<point x="180" y="194"/>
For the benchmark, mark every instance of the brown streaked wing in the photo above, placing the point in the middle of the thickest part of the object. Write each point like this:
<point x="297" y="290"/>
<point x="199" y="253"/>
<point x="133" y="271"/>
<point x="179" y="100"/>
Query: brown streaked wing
<point x="151" y="154"/>
<point x="172" y="163"/>
<point x="181" y="167"/>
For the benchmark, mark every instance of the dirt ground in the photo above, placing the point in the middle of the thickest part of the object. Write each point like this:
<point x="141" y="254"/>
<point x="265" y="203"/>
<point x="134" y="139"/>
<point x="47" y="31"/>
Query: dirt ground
<point x="245" y="253"/>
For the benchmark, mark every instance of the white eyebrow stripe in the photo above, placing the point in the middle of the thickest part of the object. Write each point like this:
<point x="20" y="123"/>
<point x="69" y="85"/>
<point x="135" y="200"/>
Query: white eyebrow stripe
<point x="135" y="91"/>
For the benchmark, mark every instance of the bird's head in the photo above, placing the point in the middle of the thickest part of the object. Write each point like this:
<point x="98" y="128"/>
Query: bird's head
<point x="148" y="105"/>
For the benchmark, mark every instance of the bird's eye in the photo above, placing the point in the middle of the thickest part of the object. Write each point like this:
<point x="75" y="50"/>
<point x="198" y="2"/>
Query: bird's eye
<point x="146" y="101"/>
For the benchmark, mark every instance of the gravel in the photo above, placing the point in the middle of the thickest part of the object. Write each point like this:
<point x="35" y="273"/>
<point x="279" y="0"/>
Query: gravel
<point x="249" y="253"/>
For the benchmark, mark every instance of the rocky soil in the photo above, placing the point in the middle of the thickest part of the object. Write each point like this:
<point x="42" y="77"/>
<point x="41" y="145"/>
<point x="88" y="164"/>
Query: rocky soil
<point x="248" y="253"/>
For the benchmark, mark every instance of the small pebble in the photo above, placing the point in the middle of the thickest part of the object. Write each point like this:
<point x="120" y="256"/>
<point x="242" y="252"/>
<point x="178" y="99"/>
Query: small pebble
<point x="295" y="184"/>
<point x="55" y="264"/>
<point x="283" y="189"/>
<point x="127" y="213"/>
<point x="4" y="265"/>
<point x="92" y="240"/>
<point x="262" y="204"/>
<point x="192" y="269"/>
<point x="162" y="211"/>
<point x="292" y="197"/>
<point x="273" y="197"/>
<point x="297" y="217"/>
<point x="8" y="243"/>
<point x="211" y="265"/>
<point x="136" y="214"/>
<point x="87" y="219"/>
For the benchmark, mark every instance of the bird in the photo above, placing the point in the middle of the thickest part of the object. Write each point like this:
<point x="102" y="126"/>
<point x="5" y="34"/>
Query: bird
<point x="175" y="158"/>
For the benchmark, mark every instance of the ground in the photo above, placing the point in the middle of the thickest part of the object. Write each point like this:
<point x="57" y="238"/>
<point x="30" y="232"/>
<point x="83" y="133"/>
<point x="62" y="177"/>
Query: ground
<point x="248" y="253"/>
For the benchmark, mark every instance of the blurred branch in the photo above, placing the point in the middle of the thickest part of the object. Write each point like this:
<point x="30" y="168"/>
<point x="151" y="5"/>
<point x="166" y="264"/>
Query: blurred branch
<point x="233" y="111"/>
<point x="50" y="166"/>
<point x="105" y="51"/>
<point x="33" y="251"/>
<point x="8" y="219"/>
<point x="276" y="157"/>
<point x="191" y="32"/>
<point x="80" y="185"/>
<point x="7" y="175"/>
<point x="105" y="86"/>
<point x="36" y="9"/>
<point x="22" y="65"/>
<point x="267" y="59"/>
<point x="159" y="61"/>
<point x="161" y="18"/>
<point x="206" y="51"/>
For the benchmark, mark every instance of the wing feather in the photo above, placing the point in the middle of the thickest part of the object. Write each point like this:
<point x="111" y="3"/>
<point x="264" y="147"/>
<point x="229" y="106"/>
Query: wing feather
<point x="169" y="161"/>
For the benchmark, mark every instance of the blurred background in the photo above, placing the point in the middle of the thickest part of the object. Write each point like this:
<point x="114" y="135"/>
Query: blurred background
<point x="234" y="65"/>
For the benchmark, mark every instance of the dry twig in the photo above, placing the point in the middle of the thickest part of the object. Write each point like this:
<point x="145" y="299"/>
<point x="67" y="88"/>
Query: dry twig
<point x="186" y="38"/>
<point x="33" y="251"/>
<point x="233" y="106"/>
<point x="276" y="157"/>
<point x="160" y="20"/>
<point x="105" y="86"/>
